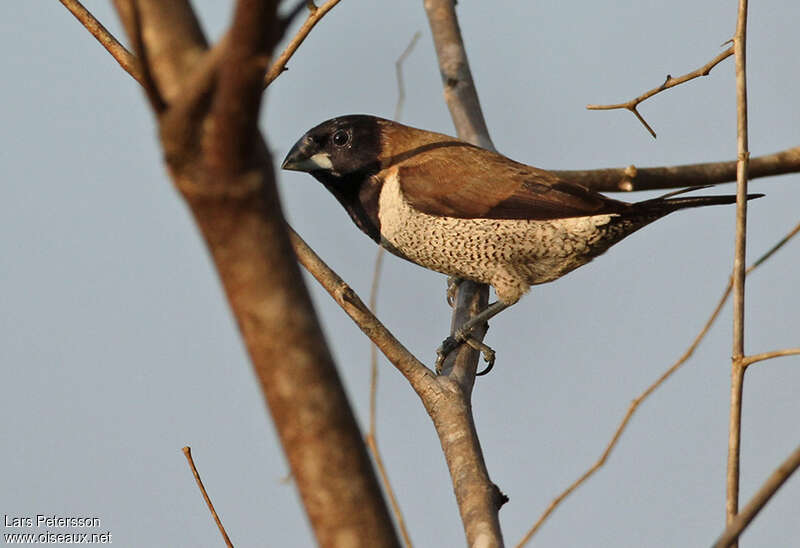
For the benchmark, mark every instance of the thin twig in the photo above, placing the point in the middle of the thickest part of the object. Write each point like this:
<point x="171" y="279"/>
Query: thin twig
<point x="372" y="437"/>
<point x="398" y="68"/>
<point x="125" y="58"/>
<point x="373" y="350"/>
<point x="626" y="419"/>
<point x="372" y="445"/>
<point x="639" y="399"/>
<point x="737" y="355"/>
<point x="669" y="82"/>
<point x="749" y="360"/>
<point x="376" y="273"/>
<point x="314" y="16"/>
<point x="188" y="452"/>
<point x="774" y="482"/>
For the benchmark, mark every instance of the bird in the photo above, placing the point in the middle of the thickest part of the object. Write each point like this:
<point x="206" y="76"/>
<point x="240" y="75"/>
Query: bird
<point x="468" y="212"/>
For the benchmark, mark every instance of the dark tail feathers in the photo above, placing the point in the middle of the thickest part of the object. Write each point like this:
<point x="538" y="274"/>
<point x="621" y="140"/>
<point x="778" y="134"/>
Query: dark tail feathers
<point x="666" y="203"/>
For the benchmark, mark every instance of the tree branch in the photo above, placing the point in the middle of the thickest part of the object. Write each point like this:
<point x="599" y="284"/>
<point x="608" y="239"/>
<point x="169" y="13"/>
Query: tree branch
<point x="637" y="401"/>
<point x="419" y="376"/>
<point x="670" y="82"/>
<point x="314" y="16"/>
<point x="126" y="59"/>
<point x="187" y="451"/>
<point x="631" y="178"/>
<point x="443" y="399"/>
<point x="737" y="362"/>
<point x="649" y="390"/>
<point x="222" y="166"/>
<point x="625" y="179"/>
<point x="748" y="360"/>
<point x="479" y="500"/>
<point x="731" y="533"/>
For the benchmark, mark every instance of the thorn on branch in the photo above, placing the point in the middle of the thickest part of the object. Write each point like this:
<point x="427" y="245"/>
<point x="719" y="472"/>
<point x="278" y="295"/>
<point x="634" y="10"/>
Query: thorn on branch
<point x="500" y="498"/>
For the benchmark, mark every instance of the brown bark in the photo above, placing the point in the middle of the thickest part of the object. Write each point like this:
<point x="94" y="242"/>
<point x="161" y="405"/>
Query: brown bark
<point x="208" y="106"/>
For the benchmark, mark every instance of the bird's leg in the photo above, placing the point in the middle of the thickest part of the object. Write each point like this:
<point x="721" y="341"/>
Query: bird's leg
<point x="463" y="335"/>
<point x="463" y="332"/>
<point x="452" y="288"/>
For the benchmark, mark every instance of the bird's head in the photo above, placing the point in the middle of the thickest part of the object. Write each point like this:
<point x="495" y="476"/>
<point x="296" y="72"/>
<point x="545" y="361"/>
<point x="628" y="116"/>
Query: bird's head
<point x="338" y="148"/>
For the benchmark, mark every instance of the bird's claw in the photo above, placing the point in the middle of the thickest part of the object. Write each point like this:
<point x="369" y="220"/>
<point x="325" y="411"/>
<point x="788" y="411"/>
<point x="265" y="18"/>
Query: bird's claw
<point x="463" y="337"/>
<point x="488" y="355"/>
<point x="447" y="346"/>
<point x="452" y="288"/>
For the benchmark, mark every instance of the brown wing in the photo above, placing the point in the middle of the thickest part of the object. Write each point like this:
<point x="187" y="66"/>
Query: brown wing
<point x="470" y="182"/>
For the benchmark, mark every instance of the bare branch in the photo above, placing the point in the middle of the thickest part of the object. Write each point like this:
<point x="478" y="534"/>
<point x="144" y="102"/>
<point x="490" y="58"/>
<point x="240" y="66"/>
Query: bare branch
<point x="419" y="376"/>
<point x="669" y="82"/>
<point x="626" y="419"/>
<point x="222" y="166"/>
<point x="763" y="495"/>
<point x="782" y="242"/>
<point x="625" y="179"/>
<point x="187" y="451"/>
<point x="412" y="369"/>
<point x="737" y="364"/>
<point x="314" y="16"/>
<point x="461" y="97"/>
<point x="748" y="360"/>
<point x="632" y="178"/>
<point x="647" y="392"/>
<point x="460" y="93"/>
<point x="479" y="500"/>
<point x="126" y="59"/>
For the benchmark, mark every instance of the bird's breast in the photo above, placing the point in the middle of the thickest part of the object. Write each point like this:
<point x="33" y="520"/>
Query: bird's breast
<point x="482" y="249"/>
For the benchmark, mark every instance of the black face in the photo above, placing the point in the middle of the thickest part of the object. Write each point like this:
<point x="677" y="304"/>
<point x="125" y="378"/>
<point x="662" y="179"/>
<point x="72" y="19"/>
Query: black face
<point x="338" y="148"/>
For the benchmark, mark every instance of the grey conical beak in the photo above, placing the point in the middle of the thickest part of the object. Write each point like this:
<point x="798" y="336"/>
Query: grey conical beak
<point x="303" y="157"/>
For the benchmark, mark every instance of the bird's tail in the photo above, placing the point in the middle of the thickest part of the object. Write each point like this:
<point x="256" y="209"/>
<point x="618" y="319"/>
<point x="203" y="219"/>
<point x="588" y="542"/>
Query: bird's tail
<point x="667" y="203"/>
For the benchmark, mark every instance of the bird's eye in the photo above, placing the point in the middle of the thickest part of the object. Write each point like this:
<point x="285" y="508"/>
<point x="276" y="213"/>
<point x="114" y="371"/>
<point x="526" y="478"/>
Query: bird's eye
<point x="341" y="138"/>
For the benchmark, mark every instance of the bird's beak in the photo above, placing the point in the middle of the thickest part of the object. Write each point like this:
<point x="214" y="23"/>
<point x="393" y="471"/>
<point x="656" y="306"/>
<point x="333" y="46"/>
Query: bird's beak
<point x="300" y="158"/>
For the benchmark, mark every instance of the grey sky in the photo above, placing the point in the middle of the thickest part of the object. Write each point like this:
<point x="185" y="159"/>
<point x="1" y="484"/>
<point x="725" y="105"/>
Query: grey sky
<point x="117" y="347"/>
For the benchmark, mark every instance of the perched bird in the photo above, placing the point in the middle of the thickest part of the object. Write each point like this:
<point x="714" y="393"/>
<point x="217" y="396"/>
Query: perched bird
<point x="459" y="209"/>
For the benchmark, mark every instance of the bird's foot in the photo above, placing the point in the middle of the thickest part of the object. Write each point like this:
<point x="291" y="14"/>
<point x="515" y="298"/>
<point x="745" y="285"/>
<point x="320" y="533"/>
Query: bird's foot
<point x="452" y="288"/>
<point x="447" y="346"/>
<point x="463" y="336"/>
